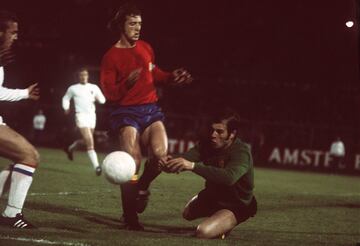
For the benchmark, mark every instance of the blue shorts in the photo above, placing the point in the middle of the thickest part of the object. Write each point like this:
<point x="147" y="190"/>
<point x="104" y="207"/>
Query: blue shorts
<point x="139" y="116"/>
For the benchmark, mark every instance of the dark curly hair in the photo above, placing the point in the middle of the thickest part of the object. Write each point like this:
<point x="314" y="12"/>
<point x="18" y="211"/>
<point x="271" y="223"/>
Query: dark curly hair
<point x="116" y="24"/>
<point x="229" y="117"/>
<point x="5" y="17"/>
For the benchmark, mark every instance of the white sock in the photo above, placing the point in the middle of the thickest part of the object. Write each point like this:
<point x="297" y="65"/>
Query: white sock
<point x="21" y="180"/>
<point x="4" y="175"/>
<point x="93" y="158"/>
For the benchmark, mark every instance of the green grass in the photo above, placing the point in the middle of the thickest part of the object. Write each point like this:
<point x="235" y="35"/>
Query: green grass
<point x="74" y="207"/>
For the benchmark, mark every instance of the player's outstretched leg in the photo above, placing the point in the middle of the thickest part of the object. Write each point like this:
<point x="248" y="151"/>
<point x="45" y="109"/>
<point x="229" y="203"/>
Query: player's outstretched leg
<point x="94" y="161"/>
<point x="128" y="197"/>
<point x="129" y="142"/>
<point x="17" y="148"/>
<point x="217" y="225"/>
<point x="69" y="150"/>
<point x="155" y="138"/>
<point x="21" y="179"/>
<point x="5" y="179"/>
<point x="87" y="135"/>
<point x="151" y="171"/>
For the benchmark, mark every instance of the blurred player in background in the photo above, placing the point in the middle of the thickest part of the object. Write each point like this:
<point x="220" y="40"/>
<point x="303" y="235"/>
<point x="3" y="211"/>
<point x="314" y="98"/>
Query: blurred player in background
<point x="84" y="95"/>
<point x="24" y="157"/>
<point x="128" y="78"/>
<point x="39" y="122"/>
<point x="337" y="152"/>
<point x="225" y="162"/>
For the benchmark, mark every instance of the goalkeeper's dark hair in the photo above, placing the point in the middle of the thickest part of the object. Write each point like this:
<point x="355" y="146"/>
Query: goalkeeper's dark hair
<point x="228" y="116"/>
<point x="221" y="115"/>
<point x="5" y="18"/>
<point x="116" y="24"/>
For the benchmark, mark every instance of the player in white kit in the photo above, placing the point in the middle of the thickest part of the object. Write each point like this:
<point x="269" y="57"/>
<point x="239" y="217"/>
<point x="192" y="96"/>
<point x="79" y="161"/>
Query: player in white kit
<point x="24" y="157"/>
<point x="84" y="95"/>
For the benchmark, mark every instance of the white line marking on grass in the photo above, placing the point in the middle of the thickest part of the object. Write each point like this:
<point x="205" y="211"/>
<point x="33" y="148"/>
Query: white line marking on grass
<point x="69" y="193"/>
<point x="43" y="241"/>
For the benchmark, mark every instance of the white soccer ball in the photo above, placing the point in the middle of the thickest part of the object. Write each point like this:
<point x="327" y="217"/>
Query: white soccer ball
<point x="118" y="167"/>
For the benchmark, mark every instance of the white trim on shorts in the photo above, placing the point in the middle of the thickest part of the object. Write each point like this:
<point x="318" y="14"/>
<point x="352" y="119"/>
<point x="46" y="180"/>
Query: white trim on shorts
<point x="2" y="123"/>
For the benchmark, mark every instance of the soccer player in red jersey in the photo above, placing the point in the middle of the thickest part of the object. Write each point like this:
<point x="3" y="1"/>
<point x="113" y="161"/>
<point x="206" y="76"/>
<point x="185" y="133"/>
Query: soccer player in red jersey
<point x="128" y="79"/>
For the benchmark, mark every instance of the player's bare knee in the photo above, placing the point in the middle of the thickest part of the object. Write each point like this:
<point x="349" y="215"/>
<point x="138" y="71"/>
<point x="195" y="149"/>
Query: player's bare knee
<point x="89" y="146"/>
<point x="203" y="231"/>
<point x="36" y="157"/>
<point x="137" y="157"/>
<point x="159" y="152"/>
<point x="31" y="157"/>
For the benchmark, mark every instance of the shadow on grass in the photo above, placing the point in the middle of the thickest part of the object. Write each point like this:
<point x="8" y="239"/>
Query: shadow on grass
<point x="299" y="232"/>
<point x="155" y="228"/>
<point x="346" y="205"/>
<point x="62" y="210"/>
<point x="287" y="206"/>
<point x="102" y="220"/>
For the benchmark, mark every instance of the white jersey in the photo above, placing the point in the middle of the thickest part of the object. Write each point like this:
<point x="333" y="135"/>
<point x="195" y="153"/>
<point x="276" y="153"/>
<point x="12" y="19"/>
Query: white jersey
<point x="11" y="95"/>
<point x="337" y="148"/>
<point x="7" y="94"/>
<point x="39" y="122"/>
<point x="84" y="96"/>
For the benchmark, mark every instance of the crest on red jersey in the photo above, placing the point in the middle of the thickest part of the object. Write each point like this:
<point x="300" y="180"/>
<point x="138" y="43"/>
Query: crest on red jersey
<point x="151" y="66"/>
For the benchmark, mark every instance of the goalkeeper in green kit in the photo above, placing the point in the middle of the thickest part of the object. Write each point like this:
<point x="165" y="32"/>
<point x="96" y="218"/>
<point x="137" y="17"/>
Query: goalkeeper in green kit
<point x="225" y="162"/>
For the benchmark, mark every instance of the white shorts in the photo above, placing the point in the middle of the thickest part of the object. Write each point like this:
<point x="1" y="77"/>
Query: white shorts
<point x="85" y="120"/>
<point x="2" y="122"/>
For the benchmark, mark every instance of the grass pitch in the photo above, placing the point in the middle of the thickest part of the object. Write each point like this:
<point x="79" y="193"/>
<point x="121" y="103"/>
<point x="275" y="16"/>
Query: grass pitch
<point x="73" y="207"/>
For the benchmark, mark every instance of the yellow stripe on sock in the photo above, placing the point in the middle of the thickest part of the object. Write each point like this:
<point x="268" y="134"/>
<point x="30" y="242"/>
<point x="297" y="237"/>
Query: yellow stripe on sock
<point x="134" y="179"/>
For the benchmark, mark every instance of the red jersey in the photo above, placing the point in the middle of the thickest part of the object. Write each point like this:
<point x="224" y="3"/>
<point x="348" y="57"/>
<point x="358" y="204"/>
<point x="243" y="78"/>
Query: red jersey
<point x="116" y="66"/>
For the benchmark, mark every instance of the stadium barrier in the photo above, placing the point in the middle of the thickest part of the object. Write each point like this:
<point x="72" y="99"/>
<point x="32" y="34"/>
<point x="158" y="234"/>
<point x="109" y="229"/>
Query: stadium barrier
<point x="307" y="159"/>
<point x="274" y="144"/>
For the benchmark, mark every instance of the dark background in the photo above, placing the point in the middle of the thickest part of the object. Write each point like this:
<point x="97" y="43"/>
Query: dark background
<point x="290" y="68"/>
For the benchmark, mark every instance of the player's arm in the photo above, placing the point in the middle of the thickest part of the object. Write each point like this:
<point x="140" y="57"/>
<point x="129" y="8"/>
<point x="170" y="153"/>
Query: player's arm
<point x="99" y="96"/>
<point x="181" y="162"/>
<point x="160" y="76"/>
<point x="237" y="166"/>
<point x="177" y="77"/>
<point x="133" y="77"/>
<point x="66" y="100"/>
<point x="6" y="94"/>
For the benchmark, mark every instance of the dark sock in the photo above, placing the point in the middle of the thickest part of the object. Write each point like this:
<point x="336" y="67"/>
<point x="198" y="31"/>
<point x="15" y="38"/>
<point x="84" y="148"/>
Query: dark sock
<point x="151" y="171"/>
<point x="128" y="197"/>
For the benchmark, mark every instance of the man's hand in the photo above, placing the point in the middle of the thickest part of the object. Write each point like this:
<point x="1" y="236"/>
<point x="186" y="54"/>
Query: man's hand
<point x="34" y="92"/>
<point x="132" y="78"/>
<point x="181" y="76"/>
<point x="163" y="161"/>
<point x="177" y="165"/>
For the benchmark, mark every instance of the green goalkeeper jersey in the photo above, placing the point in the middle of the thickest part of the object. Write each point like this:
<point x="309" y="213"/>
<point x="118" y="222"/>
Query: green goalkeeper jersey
<point x="229" y="173"/>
